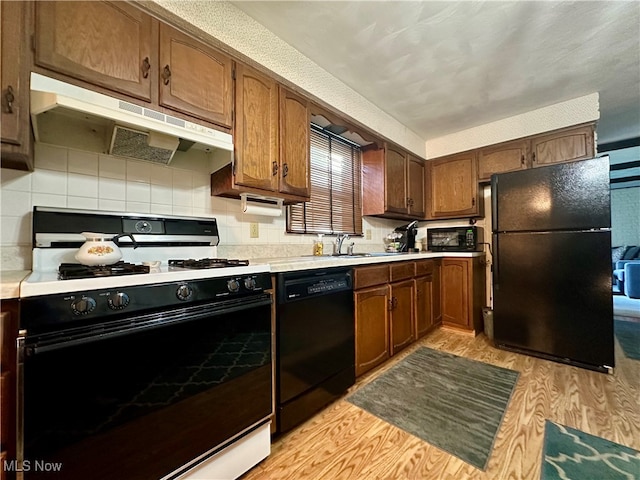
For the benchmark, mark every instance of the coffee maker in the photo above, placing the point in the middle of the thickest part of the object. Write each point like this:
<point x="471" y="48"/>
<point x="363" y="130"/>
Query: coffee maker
<point x="408" y="239"/>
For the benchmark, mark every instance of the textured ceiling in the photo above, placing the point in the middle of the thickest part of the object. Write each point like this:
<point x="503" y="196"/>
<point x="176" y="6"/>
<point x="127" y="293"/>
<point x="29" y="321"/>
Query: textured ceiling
<point x="442" y="67"/>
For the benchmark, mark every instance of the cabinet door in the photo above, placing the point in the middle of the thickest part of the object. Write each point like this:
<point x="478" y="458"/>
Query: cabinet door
<point x="395" y="180"/>
<point x="506" y="157"/>
<point x="256" y="130"/>
<point x="14" y="121"/>
<point x="416" y="183"/>
<point x="194" y="78"/>
<point x="563" y="146"/>
<point x="104" y="43"/>
<point x="455" y="292"/>
<point x="402" y="315"/>
<point x="424" y="305"/>
<point x="294" y="144"/>
<point x="372" y="327"/>
<point x="454" y="186"/>
<point x="436" y="290"/>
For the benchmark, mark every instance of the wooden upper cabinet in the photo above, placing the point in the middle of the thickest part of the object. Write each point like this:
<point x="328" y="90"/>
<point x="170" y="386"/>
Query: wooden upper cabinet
<point x="17" y="143"/>
<point x="505" y="157"/>
<point x="295" y="120"/>
<point x="416" y="186"/>
<point x="256" y="130"/>
<point x="109" y="44"/>
<point x="395" y="180"/>
<point x="393" y="183"/>
<point x="565" y="145"/>
<point x="194" y="78"/>
<point x="453" y="187"/>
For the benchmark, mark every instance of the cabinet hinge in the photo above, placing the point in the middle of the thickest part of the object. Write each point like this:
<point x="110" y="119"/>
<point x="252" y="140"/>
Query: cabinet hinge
<point x="233" y="167"/>
<point x="233" y="74"/>
<point x="33" y="42"/>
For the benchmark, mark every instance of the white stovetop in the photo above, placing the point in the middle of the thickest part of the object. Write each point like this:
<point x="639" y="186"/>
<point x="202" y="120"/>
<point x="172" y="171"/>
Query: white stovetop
<point x="44" y="279"/>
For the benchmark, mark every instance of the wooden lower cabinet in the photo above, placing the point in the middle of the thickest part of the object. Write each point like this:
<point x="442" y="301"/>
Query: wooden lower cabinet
<point x="372" y="327"/>
<point x="462" y="292"/>
<point x="424" y="305"/>
<point x="402" y="315"/>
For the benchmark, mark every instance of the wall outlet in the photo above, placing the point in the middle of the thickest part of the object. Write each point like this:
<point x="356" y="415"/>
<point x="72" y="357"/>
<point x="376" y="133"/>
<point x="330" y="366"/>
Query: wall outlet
<point x="254" y="230"/>
<point x="367" y="234"/>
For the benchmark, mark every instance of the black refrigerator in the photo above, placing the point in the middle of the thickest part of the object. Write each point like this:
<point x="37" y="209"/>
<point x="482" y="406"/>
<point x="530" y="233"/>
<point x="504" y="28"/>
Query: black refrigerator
<point x="552" y="293"/>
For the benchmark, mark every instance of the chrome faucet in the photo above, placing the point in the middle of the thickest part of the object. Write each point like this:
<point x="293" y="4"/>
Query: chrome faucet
<point x="339" y="240"/>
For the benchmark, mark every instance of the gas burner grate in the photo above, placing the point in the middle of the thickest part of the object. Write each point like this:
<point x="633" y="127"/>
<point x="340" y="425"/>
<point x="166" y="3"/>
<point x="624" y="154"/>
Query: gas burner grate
<point x="70" y="271"/>
<point x="208" y="263"/>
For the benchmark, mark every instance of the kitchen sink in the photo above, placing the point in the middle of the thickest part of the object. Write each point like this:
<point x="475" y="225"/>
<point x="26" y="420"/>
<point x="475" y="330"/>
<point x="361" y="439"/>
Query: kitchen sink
<point x="370" y="254"/>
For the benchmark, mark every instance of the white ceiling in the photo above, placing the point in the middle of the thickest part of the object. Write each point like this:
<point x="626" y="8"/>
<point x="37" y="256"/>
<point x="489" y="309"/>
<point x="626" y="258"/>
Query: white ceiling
<point x="441" y="67"/>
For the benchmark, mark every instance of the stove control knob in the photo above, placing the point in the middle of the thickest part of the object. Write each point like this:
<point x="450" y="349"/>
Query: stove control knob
<point x="250" y="283"/>
<point x="184" y="292"/>
<point x="233" y="285"/>
<point x="118" y="300"/>
<point x="83" y="305"/>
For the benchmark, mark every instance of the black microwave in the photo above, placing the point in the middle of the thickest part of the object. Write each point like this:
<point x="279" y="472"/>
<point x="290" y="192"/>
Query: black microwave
<point x="455" y="239"/>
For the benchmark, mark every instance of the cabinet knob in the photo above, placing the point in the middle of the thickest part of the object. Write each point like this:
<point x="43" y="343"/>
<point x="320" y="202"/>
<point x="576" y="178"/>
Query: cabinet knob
<point x="9" y="99"/>
<point x="274" y="168"/>
<point x="146" y="66"/>
<point x="166" y="75"/>
<point x="285" y="170"/>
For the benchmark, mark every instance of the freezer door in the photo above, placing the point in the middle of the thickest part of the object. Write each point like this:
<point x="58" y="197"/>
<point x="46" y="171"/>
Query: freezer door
<point x="568" y="196"/>
<point x="552" y="294"/>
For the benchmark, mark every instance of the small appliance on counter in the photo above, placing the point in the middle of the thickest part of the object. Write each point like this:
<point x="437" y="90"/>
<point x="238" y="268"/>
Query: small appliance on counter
<point x="455" y="239"/>
<point x="403" y="238"/>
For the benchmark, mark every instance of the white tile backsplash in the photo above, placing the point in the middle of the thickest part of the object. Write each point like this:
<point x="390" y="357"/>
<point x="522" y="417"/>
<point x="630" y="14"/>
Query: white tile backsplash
<point x="83" y="162"/>
<point x="50" y="157"/>
<point x="138" y="192"/>
<point x="82" y="185"/>
<point x="49" y="181"/>
<point x="138" y="171"/>
<point x="112" y="167"/>
<point x="73" y="179"/>
<point x="111" y="189"/>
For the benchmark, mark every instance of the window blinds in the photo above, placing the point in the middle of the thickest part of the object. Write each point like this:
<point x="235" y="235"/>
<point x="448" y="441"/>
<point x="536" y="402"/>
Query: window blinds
<point x="336" y="200"/>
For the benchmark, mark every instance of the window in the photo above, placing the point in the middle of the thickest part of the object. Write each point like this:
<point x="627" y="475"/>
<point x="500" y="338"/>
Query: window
<point x="336" y="201"/>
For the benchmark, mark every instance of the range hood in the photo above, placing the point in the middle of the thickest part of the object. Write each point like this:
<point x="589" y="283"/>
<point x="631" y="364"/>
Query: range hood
<point x="71" y="116"/>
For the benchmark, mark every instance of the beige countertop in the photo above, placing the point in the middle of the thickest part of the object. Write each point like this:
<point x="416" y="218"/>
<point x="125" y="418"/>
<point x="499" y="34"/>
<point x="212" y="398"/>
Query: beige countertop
<point x="289" y="264"/>
<point x="10" y="283"/>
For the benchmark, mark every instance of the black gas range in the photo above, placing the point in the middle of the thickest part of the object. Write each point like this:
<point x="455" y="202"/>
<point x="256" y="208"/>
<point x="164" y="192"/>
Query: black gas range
<point x="161" y="347"/>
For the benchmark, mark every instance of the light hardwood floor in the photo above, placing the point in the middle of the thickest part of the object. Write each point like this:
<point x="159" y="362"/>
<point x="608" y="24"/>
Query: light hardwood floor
<point x="345" y="442"/>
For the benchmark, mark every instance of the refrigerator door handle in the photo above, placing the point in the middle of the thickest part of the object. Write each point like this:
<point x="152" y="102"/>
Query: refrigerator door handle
<point x="494" y="203"/>
<point x="496" y="262"/>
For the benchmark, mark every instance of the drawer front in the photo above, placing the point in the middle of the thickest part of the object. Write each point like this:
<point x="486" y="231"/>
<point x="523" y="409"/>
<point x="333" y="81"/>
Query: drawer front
<point x="402" y="271"/>
<point x="369" y="276"/>
<point x="424" y="267"/>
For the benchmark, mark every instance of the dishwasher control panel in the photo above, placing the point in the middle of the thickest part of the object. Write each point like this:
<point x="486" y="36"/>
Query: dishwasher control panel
<point x="295" y="286"/>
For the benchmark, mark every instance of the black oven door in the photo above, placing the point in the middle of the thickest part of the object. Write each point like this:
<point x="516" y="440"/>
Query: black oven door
<point x="140" y="401"/>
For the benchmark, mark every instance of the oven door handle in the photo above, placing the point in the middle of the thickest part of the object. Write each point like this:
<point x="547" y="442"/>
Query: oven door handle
<point x="56" y="341"/>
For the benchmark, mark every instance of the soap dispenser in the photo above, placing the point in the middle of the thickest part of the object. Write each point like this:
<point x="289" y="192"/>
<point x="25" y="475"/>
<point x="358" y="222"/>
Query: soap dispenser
<point x="318" y="246"/>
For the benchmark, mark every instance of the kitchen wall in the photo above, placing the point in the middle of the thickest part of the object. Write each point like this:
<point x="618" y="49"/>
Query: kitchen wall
<point x="625" y="216"/>
<point x="564" y="114"/>
<point x="75" y="179"/>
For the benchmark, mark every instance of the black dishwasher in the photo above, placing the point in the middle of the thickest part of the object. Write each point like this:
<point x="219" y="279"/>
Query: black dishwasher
<point x="315" y="342"/>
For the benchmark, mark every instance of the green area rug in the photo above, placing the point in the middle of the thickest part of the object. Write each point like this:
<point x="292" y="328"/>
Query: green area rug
<point x="453" y="403"/>
<point x="628" y="333"/>
<point x="570" y="454"/>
